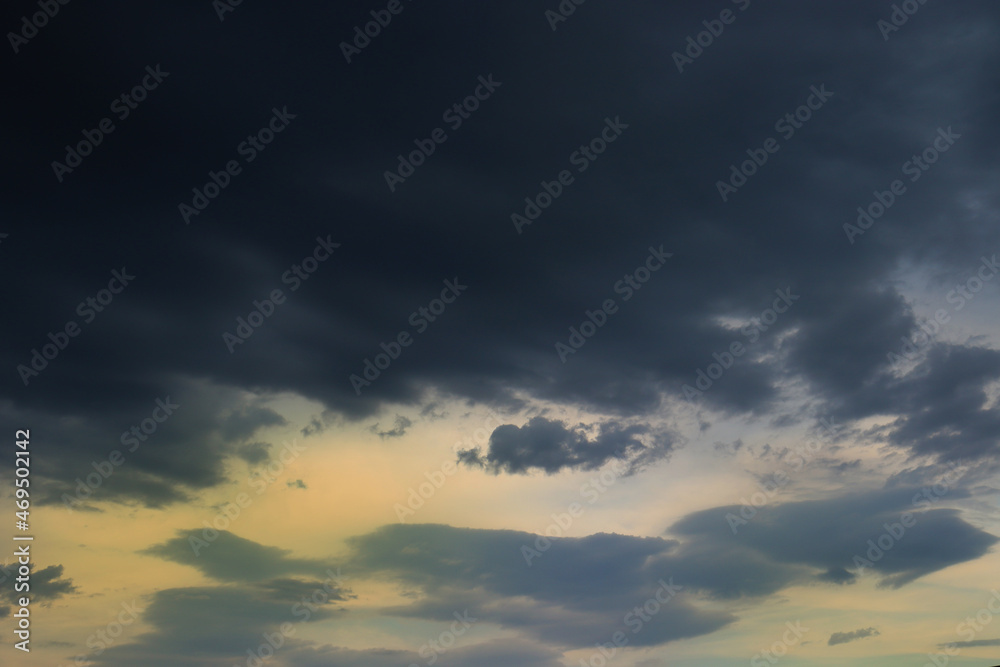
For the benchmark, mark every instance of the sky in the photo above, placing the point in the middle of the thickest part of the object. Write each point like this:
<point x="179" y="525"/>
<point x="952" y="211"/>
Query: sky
<point x="393" y="333"/>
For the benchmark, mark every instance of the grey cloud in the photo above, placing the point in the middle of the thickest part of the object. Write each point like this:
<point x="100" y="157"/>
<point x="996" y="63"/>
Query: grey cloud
<point x="231" y="558"/>
<point x="496" y="653"/>
<point x="575" y="593"/>
<point x="254" y="452"/>
<point x="941" y="404"/>
<point x="829" y="534"/>
<point x="47" y="584"/>
<point x="853" y="635"/>
<point x="975" y="643"/>
<point x="213" y="626"/>
<point x="398" y="430"/>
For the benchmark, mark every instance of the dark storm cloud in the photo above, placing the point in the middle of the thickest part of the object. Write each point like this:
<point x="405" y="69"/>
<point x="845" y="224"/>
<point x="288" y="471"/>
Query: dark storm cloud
<point x="551" y="446"/>
<point x="949" y="412"/>
<point x="185" y="452"/>
<point x="243" y="423"/>
<point x="323" y="176"/>
<point x="843" y="344"/>
<point x="837" y="575"/>
<point x="942" y="402"/>
<point x="853" y="635"/>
